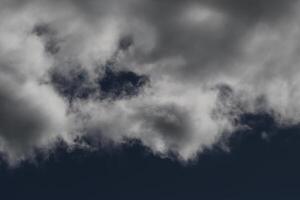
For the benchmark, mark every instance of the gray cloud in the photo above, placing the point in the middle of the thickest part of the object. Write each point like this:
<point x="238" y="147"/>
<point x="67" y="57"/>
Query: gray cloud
<point x="209" y="34"/>
<point x="171" y="123"/>
<point x="175" y="75"/>
<point x="17" y="128"/>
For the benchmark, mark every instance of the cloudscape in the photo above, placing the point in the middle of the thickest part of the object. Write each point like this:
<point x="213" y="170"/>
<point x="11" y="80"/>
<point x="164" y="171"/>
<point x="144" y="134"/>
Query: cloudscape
<point x="174" y="75"/>
<point x="150" y="99"/>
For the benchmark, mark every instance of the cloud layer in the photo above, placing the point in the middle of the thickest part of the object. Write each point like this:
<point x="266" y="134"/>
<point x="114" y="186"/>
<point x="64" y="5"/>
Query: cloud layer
<point x="175" y="75"/>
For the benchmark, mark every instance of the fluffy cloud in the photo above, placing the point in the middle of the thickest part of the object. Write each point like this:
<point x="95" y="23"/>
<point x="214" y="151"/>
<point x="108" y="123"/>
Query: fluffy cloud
<point x="175" y="75"/>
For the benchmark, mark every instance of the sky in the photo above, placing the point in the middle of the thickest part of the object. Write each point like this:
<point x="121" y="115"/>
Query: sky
<point x="169" y="99"/>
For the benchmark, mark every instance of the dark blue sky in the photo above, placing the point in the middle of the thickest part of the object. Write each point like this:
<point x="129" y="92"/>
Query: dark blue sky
<point x="256" y="168"/>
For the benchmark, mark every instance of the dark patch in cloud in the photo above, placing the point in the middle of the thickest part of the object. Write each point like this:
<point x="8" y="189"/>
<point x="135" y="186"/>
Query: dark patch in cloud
<point x="49" y="36"/>
<point x="120" y="84"/>
<point x="77" y="84"/>
<point x="52" y="47"/>
<point x="42" y="29"/>
<point x="73" y="85"/>
<point x="125" y="43"/>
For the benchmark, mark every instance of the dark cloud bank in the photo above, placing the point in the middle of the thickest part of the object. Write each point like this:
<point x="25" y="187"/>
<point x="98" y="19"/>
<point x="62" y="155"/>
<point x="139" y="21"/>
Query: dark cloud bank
<point x="178" y="77"/>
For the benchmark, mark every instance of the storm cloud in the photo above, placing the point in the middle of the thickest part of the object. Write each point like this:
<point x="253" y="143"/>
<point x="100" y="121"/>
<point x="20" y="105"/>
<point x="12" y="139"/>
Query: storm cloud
<point x="174" y="75"/>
